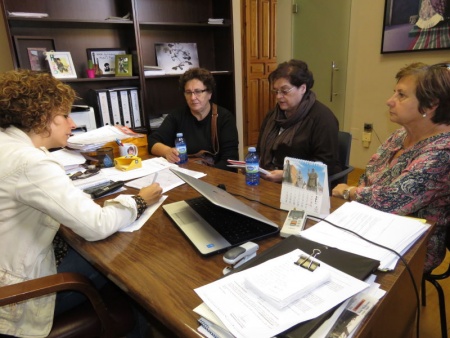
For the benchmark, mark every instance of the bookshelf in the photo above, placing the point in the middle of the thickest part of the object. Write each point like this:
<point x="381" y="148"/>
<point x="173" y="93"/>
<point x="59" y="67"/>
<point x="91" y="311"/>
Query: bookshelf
<point x="78" y="25"/>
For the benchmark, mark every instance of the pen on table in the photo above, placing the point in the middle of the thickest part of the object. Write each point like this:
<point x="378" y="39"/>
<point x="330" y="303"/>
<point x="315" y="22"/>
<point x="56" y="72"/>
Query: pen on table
<point x="119" y="142"/>
<point x="154" y="178"/>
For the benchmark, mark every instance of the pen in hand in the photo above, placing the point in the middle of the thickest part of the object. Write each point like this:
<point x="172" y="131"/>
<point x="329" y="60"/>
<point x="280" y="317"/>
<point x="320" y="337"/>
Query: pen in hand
<point x="154" y="177"/>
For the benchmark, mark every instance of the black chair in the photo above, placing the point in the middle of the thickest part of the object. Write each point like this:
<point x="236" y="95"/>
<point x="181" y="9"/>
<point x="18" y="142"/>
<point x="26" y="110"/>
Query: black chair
<point x="345" y="145"/>
<point x="433" y="279"/>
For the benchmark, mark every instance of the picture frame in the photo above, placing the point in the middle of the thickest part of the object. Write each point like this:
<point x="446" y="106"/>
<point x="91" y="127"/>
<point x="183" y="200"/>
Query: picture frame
<point x="123" y="65"/>
<point x="176" y="58"/>
<point x="104" y="59"/>
<point x="61" y="65"/>
<point x="414" y="25"/>
<point x="31" y="51"/>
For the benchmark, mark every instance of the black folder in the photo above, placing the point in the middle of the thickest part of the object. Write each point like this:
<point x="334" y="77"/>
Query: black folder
<point x="357" y="266"/>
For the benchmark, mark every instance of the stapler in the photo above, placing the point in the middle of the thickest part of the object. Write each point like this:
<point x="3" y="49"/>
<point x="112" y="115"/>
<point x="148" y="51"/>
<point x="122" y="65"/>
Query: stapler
<point x="239" y="255"/>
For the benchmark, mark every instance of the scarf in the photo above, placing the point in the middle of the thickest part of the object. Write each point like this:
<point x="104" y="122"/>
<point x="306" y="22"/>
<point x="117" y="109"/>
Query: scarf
<point x="271" y="136"/>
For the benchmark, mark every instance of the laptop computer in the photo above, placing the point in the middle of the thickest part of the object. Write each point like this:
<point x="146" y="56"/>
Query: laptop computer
<point x="227" y="222"/>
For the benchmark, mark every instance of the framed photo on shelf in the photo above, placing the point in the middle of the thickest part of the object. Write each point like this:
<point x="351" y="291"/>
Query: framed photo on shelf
<point x="104" y="59"/>
<point x="31" y="51"/>
<point x="61" y="65"/>
<point x="124" y="65"/>
<point x="176" y="58"/>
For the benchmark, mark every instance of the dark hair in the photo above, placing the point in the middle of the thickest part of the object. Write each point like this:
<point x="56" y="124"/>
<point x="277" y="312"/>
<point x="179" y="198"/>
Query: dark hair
<point x="432" y="88"/>
<point x="296" y="72"/>
<point x="30" y="100"/>
<point x="200" y="74"/>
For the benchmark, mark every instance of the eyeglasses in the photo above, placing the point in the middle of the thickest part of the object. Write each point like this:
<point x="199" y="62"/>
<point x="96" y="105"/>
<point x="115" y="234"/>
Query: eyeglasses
<point x="283" y="92"/>
<point x="196" y="92"/>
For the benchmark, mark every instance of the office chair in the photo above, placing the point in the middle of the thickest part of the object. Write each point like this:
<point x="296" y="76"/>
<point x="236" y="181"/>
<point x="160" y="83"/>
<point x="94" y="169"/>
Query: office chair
<point x="106" y="313"/>
<point x="344" y="145"/>
<point x="433" y="279"/>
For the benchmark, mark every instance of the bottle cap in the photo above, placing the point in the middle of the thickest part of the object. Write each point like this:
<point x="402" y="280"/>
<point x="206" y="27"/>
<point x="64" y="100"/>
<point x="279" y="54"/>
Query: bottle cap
<point x="179" y="134"/>
<point x="251" y="149"/>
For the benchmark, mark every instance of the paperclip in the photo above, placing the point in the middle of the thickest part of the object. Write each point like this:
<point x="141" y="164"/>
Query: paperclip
<point x="309" y="259"/>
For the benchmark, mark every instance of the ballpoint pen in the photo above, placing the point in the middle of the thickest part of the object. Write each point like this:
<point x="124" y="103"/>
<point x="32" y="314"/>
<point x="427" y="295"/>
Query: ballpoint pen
<point x="154" y="177"/>
<point x="119" y="142"/>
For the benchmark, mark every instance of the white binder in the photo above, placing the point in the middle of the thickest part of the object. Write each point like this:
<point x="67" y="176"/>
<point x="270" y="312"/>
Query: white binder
<point x="115" y="109"/>
<point x="125" y="105"/>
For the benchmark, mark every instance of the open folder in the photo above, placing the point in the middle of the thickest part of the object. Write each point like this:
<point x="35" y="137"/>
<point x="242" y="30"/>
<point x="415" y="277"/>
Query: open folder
<point x="357" y="266"/>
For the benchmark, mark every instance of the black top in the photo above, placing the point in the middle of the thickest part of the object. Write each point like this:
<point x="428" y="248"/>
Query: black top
<point x="197" y="134"/>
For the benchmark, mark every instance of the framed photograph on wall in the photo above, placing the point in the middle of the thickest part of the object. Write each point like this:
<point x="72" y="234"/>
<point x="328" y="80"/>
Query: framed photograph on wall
<point x="415" y="25"/>
<point x="31" y="51"/>
<point x="104" y="59"/>
<point x="176" y="58"/>
<point x="61" y="65"/>
<point x="123" y="65"/>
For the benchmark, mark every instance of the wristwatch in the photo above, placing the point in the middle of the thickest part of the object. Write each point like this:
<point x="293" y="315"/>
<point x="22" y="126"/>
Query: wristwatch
<point x="346" y="193"/>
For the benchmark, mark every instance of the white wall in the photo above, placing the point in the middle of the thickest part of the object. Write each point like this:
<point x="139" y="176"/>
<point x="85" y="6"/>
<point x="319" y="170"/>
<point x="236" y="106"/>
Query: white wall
<point x="371" y="77"/>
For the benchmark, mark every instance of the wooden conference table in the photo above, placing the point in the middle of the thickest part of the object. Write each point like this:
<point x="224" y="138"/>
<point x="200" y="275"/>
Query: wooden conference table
<point x="160" y="269"/>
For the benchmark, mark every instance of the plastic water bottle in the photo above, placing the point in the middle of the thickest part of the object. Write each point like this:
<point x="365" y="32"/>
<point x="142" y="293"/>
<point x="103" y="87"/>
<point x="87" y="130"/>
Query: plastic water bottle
<point x="180" y="144"/>
<point x="252" y="167"/>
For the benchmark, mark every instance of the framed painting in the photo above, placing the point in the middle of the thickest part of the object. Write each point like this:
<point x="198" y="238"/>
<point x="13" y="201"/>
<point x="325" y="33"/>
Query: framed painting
<point x="415" y="25"/>
<point x="123" y="65"/>
<point x="104" y="59"/>
<point x="61" y="65"/>
<point x="176" y="58"/>
<point x="31" y="51"/>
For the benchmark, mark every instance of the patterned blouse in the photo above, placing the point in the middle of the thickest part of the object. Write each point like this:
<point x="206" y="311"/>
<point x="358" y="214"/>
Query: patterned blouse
<point x="417" y="183"/>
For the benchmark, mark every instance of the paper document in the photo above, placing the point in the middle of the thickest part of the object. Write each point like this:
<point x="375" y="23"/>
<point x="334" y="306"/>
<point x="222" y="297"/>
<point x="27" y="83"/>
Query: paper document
<point x="137" y="224"/>
<point x="149" y="166"/>
<point x="245" y="314"/>
<point x="393" y="231"/>
<point x="166" y="179"/>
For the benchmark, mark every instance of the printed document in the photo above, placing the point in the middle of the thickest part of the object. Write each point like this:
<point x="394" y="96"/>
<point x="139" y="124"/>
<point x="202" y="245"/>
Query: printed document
<point x="246" y="315"/>
<point x="393" y="231"/>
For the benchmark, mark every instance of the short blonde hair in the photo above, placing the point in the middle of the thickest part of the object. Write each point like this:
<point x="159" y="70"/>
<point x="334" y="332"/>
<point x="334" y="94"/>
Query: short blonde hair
<point x="29" y="100"/>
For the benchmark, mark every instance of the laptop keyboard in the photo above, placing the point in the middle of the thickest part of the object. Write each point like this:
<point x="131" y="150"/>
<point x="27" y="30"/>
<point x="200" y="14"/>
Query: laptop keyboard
<point x="234" y="227"/>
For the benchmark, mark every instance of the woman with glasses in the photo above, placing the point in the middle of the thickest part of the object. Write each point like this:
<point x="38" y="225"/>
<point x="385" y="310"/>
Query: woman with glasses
<point x="300" y="126"/>
<point x="409" y="174"/>
<point x="195" y="122"/>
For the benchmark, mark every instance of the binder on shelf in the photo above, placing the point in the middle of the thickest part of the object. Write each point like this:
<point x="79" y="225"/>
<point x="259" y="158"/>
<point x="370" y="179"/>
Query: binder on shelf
<point x="103" y="107"/>
<point x="115" y="109"/>
<point x="135" y="111"/>
<point x="125" y="106"/>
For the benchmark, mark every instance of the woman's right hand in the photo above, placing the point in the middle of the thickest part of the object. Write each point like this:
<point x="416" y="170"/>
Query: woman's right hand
<point x="172" y="155"/>
<point x="151" y="194"/>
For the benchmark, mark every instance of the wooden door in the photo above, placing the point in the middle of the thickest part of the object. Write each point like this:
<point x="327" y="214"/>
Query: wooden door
<point x="259" y="59"/>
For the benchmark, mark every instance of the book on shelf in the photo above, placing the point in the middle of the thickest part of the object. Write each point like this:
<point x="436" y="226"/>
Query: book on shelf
<point x="305" y="187"/>
<point x="217" y="21"/>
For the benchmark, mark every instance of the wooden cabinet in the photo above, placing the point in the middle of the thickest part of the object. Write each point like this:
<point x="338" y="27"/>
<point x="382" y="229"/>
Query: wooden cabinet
<point x="259" y="61"/>
<point x="77" y="25"/>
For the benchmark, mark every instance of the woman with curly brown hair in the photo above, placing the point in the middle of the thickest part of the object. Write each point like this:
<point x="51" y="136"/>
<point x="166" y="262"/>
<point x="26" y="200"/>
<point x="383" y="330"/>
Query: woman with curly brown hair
<point x="36" y="196"/>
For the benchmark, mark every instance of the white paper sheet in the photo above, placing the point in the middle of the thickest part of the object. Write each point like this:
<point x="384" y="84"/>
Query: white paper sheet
<point x="137" y="224"/>
<point x="246" y="315"/>
<point x="393" y="231"/>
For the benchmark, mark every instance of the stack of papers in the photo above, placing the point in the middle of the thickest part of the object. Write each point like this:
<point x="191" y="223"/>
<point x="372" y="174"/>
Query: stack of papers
<point x="243" y="313"/>
<point x="213" y="21"/>
<point x="153" y="70"/>
<point x="393" y="231"/>
<point x="267" y="282"/>
<point x="27" y="15"/>
<point x="97" y="138"/>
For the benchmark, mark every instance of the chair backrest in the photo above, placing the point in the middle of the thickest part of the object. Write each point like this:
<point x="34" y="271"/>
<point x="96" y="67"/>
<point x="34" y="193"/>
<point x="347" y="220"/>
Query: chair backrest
<point x="345" y="145"/>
